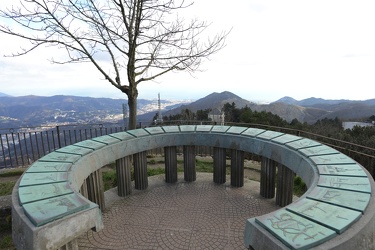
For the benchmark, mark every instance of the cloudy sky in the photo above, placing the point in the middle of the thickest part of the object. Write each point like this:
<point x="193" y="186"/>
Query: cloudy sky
<point x="302" y="49"/>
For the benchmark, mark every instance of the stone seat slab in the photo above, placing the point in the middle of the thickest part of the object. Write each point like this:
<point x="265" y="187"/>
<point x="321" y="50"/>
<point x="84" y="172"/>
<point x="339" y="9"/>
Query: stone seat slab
<point x="123" y="136"/>
<point x="138" y="132"/>
<point x="236" y="130"/>
<point x="73" y="149"/>
<point x="331" y="216"/>
<point x="42" y="166"/>
<point x="220" y="129"/>
<point x="332" y="159"/>
<point x="285" y="138"/>
<point x="304" y="143"/>
<point x="29" y="179"/>
<point x="90" y="144"/>
<point x="269" y="135"/>
<point x="253" y="132"/>
<point x="155" y="130"/>
<point x="40" y="192"/>
<point x="294" y="231"/>
<point x="359" y="184"/>
<point x="108" y="140"/>
<point x="204" y="128"/>
<point x="171" y="129"/>
<point x="60" y="157"/>
<point x="348" y="199"/>
<point x="342" y="170"/>
<point x="318" y="150"/>
<point x="45" y="211"/>
<point x="187" y="128"/>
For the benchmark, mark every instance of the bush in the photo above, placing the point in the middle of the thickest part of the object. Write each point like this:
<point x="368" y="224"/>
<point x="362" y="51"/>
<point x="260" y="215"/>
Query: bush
<point x="299" y="186"/>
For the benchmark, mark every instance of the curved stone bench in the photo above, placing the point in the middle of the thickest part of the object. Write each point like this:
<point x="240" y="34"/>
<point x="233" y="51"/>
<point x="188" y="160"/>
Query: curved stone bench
<point x="337" y="211"/>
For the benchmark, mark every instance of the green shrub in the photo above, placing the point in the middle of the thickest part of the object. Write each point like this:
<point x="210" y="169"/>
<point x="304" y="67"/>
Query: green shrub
<point x="299" y="186"/>
<point x="6" y="242"/>
<point x="6" y="188"/>
<point x="109" y="179"/>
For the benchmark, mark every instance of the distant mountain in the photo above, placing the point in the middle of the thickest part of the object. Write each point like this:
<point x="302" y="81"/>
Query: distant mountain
<point x="308" y="110"/>
<point x="212" y="101"/>
<point x="37" y="110"/>
<point x="311" y="102"/>
<point x="2" y="94"/>
<point x="318" y="108"/>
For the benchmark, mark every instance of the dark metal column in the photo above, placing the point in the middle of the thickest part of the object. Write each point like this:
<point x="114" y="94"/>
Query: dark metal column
<point x="285" y="183"/>
<point x="95" y="188"/>
<point x="237" y="168"/>
<point x="140" y="170"/>
<point x="170" y="158"/>
<point x="219" y="165"/>
<point x="189" y="163"/>
<point x="267" y="178"/>
<point x="124" y="184"/>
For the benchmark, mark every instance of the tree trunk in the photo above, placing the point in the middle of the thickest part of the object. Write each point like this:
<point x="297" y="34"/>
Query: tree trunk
<point x="132" y="102"/>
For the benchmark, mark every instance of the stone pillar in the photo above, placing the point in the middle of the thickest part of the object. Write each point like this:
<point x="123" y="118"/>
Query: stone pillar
<point x="237" y="168"/>
<point x="124" y="182"/>
<point x="140" y="170"/>
<point x="267" y="178"/>
<point x="72" y="245"/>
<point x="189" y="163"/>
<point x="83" y="190"/>
<point x="170" y="158"/>
<point x="95" y="188"/>
<point x="219" y="165"/>
<point x="284" y="189"/>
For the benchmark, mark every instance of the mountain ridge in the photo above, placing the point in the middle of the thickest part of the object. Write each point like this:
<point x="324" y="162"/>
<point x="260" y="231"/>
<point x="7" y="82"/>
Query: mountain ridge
<point x="33" y="110"/>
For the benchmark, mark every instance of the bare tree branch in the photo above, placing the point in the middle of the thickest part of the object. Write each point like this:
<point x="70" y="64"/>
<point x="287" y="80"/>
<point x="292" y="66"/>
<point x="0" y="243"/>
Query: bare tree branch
<point x="145" y="37"/>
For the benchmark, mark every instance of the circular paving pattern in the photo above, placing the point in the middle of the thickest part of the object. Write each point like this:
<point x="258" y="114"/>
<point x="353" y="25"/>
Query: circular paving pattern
<point x="184" y="215"/>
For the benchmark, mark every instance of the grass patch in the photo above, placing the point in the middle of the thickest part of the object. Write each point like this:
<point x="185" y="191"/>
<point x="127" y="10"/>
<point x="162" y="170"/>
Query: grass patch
<point x="17" y="172"/>
<point x="204" y="166"/>
<point x="109" y="179"/>
<point x="299" y="186"/>
<point x="6" y="242"/>
<point x="155" y="171"/>
<point x="6" y="188"/>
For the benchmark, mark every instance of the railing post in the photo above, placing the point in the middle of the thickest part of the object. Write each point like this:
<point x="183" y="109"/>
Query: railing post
<point x="58" y="136"/>
<point x="189" y="163"/>
<point x="237" y="168"/>
<point x="140" y="170"/>
<point x="267" y="178"/>
<point x="170" y="158"/>
<point x="219" y="156"/>
<point x="285" y="183"/>
<point x="124" y="185"/>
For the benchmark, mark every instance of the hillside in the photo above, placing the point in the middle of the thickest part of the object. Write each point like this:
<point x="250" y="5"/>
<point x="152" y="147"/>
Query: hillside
<point x="212" y="101"/>
<point x="38" y="110"/>
<point x="318" y="108"/>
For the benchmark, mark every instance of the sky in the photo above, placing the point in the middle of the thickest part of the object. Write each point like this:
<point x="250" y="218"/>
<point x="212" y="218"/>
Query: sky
<point x="296" y="48"/>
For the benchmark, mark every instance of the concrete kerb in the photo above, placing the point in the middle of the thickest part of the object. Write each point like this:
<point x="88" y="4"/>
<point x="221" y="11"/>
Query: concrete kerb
<point x="122" y="144"/>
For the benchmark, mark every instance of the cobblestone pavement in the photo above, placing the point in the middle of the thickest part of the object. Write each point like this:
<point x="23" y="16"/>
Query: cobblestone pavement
<point x="195" y="215"/>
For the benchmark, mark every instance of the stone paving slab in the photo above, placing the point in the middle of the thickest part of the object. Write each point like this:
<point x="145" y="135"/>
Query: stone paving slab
<point x="195" y="215"/>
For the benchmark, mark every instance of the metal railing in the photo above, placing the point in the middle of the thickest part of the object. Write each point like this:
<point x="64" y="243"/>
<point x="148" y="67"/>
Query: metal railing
<point x="23" y="146"/>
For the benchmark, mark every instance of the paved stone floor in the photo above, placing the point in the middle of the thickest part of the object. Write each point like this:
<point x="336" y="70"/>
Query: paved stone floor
<point x="196" y="215"/>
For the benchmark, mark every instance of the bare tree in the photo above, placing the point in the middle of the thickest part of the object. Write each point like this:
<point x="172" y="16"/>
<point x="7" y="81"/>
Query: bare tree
<point x="128" y="41"/>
